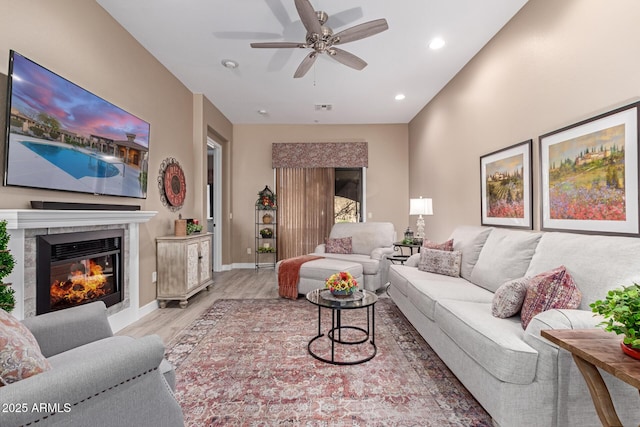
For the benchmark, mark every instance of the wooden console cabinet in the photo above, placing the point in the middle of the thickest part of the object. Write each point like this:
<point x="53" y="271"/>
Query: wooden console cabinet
<point x="184" y="267"/>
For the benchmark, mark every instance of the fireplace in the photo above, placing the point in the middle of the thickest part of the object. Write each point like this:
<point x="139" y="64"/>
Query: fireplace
<point x="78" y="268"/>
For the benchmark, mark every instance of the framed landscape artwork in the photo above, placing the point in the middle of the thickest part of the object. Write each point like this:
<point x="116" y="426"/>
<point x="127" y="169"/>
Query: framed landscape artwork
<point x="589" y="175"/>
<point x="506" y="196"/>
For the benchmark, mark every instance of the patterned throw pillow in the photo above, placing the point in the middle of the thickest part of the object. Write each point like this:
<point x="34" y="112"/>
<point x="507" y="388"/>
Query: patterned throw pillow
<point x="508" y="299"/>
<point x="446" y="246"/>
<point x="551" y="289"/>
<point x="341" y="245"/>
<point x="20" y="355"/>
<point x="440" y="262"/>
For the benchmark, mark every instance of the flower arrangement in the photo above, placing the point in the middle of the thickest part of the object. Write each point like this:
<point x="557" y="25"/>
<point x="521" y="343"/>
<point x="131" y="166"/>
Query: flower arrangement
<point x="7" y="262"/>
<point x="266" y="199"/>
<point x="266" y="233"/>
<point x="341" y="283"/>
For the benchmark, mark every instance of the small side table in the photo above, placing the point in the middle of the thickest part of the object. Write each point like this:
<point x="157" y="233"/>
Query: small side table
<point x="367" y="302"/>
<point x="395" y="259"/>
<point x="592" y="349"/>
<point x="399" y="246"/>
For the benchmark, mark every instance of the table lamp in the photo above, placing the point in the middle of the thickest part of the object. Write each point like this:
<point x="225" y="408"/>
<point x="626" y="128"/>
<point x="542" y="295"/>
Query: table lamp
<point x="420" y="207"/>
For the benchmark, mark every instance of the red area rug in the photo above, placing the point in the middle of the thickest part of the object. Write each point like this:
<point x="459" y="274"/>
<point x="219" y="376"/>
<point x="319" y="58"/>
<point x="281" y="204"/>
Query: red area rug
<point x="245" y="363"/>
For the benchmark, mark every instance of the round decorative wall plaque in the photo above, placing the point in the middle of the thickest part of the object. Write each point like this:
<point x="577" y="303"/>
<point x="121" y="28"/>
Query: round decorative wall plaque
<point x="172" y="184"/>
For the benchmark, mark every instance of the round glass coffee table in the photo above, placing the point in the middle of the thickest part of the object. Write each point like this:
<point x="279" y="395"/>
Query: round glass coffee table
<point x="363" y="299"/>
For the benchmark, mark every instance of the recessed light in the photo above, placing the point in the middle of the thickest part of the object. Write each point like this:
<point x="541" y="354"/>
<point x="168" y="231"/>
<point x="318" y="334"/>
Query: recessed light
<point x="436" y="43"/>
<point x="400" y="97"/>
<point x="263" y="112"/>
<point x="229" y="63"/>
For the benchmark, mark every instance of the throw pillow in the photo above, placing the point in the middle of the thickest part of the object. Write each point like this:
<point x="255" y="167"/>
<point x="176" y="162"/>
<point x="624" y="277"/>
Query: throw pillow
<point x="551" y="289"/>
<point x="445" y="246"/>
<point x="508" y="299"/>
<point x="20" y="355"/>
<point x="340" y="245"/>
<point x="440" y="262"/>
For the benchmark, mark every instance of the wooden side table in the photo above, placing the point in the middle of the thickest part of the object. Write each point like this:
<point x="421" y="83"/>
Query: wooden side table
<point x="592" y="349"/>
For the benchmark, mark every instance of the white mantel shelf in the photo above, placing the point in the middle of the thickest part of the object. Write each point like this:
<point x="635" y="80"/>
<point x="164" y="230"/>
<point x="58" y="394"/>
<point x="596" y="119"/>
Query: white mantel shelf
<point x="18" y="219"/>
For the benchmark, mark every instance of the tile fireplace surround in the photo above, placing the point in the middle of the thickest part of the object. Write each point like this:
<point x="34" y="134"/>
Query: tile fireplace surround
<point x="24" y="225"/>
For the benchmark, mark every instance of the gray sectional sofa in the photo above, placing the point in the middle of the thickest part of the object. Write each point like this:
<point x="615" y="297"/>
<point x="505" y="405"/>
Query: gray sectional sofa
<point x="520" y="378"/>
<point x="96" y="378"/>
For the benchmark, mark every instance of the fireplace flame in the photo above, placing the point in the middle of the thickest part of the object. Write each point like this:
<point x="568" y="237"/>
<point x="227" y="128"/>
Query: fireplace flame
<point x="81" y="286"/>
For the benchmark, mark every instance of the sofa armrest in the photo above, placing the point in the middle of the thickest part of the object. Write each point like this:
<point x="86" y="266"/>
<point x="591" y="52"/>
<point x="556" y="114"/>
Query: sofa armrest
<point x="558" y="319"/>
<point x="320" y="249"/>
<point x="85" y="382"/>
<point x="63" y="330"/>
<point x="381" y="253"/>
<point x="413" y="260"/>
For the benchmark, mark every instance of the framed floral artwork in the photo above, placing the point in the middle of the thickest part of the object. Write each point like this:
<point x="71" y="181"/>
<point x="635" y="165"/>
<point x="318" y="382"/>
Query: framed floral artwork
<point x="506" y="193"/>
<point x="589" y="175"/>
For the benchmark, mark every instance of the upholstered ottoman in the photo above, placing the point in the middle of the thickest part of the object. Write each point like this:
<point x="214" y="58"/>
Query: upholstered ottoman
<point x="313" y="274"/>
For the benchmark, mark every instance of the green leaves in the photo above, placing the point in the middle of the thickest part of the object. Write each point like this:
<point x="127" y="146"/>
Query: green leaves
<point x="621" y="309"/>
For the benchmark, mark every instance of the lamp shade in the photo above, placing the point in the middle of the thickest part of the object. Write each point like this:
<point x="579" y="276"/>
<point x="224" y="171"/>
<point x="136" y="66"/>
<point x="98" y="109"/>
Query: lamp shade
<point x="420" y="206"/>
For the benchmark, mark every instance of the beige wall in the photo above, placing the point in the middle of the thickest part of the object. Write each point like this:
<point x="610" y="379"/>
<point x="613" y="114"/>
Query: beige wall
<point x="387" y="176"/>
<point x="555" y="63"/>
<point x="81" y="42"/>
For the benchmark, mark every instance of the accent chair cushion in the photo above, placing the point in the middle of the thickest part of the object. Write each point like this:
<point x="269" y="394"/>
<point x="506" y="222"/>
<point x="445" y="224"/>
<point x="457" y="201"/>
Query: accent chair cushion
<point x="508" y="299"/>
<point x="340" y="245"/>
<point x="20" y="355"/>
<point x="551" y="289"/>
<point x="440" y="262"/>
<point x="444" y="246"/>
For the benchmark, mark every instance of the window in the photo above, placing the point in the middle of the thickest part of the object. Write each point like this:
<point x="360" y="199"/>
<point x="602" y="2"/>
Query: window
<point x="348" y="197"/>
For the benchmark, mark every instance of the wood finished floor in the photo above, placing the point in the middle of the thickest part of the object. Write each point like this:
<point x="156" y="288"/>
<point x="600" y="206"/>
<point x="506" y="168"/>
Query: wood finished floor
<point x="234" y="284"/>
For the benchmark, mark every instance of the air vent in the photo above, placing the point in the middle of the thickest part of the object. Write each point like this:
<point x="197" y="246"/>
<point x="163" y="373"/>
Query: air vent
<point x="324" y="107"/>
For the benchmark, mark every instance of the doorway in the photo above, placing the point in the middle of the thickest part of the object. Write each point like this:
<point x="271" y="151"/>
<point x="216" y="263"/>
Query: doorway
<point x="214" y="200"/>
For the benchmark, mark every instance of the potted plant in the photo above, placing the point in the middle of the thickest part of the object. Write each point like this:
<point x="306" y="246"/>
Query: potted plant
<point x="7" y="299"/>
<point x="621" y="310"/>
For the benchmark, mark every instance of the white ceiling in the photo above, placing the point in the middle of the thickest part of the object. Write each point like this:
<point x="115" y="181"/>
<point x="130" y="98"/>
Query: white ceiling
<point x="191" y="38"/>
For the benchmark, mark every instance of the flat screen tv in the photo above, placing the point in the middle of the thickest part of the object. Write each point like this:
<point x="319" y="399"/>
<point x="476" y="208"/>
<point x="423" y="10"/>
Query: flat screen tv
<point x="62" y="137"/>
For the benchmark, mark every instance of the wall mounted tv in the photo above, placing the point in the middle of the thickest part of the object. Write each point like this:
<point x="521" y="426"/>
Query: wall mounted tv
<point x="63" y="137"/>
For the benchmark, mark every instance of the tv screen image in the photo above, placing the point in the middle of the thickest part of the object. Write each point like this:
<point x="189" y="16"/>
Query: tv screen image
<point x="62" y="137"/>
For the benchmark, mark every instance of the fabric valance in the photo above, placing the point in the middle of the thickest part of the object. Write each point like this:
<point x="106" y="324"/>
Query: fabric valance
<point x="320" y="154"/>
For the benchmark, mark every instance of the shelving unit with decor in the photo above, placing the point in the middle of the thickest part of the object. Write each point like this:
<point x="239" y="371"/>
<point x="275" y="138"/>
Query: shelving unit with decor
<point x="266" y="226"/>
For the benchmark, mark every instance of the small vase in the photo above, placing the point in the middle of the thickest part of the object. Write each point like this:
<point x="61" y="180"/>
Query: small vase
<point x="342" y="294"/>
<point x="630" y="351"/>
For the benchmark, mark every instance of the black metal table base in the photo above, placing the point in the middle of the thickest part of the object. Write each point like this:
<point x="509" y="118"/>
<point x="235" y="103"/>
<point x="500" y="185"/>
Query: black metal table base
<point x="337" y="328"/>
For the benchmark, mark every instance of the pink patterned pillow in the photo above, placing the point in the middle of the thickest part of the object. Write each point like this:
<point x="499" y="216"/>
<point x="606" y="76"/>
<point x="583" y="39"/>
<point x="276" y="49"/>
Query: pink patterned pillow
<point x="551" y="289"/>
<point x="20" y="355"/>
<point x="341" y="245"/>
<point x="508" y="299"/>
<point x="445" y="246"/>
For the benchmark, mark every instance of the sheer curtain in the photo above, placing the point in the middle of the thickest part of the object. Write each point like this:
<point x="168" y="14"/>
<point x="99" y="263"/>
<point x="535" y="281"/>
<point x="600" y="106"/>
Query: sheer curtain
<point x="305" y="209"/>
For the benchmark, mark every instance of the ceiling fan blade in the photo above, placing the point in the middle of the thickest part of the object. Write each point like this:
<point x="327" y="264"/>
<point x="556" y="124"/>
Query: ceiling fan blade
<point x="360" y="31"/>
<point x="277" y="45"/>
<point x="346" y="58"/>
<point x="305" y="65"/>
<point x="308" y="16"/>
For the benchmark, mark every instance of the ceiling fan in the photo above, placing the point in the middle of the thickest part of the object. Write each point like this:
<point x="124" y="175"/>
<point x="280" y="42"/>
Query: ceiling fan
<point x="321" y="39"/>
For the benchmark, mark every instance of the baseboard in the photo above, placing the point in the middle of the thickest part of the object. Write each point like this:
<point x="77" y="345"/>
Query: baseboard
<point x="148" y="309"/>
<point x="249" y="265"/>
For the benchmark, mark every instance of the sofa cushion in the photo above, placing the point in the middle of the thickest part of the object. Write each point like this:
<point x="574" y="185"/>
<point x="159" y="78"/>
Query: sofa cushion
<point x="597" y="263"/>
<point x="505" y="256"/>
<point x="20" y="355"/>
<point x="495" y="344"/>
<point x="341" y="245"/>
<point x="425" y="292"/>
<point x="444" y="246"/>
<point x="440" y="262"/>
<point x="552" y="289"/>
<point x="365" y="236"/>
<point x="469" y="240"/>
<point x="369" y="265"/>
<point x="508" y="299"/>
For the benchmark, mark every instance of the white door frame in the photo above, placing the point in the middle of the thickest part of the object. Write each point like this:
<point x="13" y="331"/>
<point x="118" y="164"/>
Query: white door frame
<point x="217" y="203"/>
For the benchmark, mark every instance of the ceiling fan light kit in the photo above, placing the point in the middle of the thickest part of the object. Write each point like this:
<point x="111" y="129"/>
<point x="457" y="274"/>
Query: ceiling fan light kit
<point x="321" y="38"/>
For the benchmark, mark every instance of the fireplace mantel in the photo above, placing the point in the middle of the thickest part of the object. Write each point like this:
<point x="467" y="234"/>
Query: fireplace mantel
<point x="21" y="220"/>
